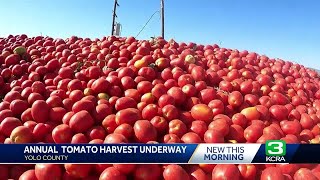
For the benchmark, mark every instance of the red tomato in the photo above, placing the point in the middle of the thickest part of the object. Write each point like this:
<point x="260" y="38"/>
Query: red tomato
<point x="148" y="171"/>
<point x="303" y="174"/>
<point x="248" y="171"/>
<point x="177" y="127"/>
<point x="62" y="134"/>
<point x="81" y="121"/>
<point x="289" y="169"/>
<point x="40" y="111"/>
<point x="144" y="131"/>
<point x="48" y="171"/>
<point x="196" y="173"/>
<point x="112" y="173"/>
<point x="4" y="172"/>
<point x="175" y="172"/>
<point x="226" y="172"/>
<point x="78" y="170"/>
<point x="28" y="175"/>
<point x="125" y="168"/>
<point x="272" y="173"/>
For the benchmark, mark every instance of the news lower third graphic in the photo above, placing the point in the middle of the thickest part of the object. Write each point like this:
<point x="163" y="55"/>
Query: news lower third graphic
<point x="273" y="151"/>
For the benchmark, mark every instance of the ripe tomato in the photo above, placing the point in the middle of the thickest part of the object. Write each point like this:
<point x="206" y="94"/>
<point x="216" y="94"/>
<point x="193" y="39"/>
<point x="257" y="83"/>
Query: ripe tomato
<point x="112" y="173"/>
<point x="78" y="170"/>
<point x="272" y="173"/>
<point x="48" y="171"/>
<point x="304" y="173"/>
<point x="226" y="172"/>
<point x="175" y="172"/>
<point x="248" y="171"/>
<point x="144" y="131"/>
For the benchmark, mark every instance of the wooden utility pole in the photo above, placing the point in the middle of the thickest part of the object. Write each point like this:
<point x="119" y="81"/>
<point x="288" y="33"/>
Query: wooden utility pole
<point x="162" y="18"/>
<point x="114" y="15"/>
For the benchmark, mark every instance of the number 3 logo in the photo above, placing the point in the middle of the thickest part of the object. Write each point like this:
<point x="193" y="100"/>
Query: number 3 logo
<point x="275" y="148"/>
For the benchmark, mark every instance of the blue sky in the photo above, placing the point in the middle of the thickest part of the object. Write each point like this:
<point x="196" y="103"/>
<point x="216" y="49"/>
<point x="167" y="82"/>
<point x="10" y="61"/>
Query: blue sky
<point x="287" y="29"/>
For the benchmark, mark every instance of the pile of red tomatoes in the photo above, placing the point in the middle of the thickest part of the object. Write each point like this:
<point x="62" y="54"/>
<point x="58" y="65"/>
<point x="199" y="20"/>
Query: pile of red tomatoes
<point x="124" y="90"/>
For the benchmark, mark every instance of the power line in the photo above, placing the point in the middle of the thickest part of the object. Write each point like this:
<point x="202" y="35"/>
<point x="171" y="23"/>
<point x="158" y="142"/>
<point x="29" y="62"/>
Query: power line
<point x="161" y="12"/>
<point x="147" y="23"/>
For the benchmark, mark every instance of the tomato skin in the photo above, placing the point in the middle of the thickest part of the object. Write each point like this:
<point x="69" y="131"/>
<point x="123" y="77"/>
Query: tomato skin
<point x="125" y="129"/>
<point x="144" y="131"/>
<point x="303" y="174"/>
<point x="128" y="116"/>
<point x="272" y="173"/>
<point x="101" y="111"/>
<point x="196" y="173"/>
<point x="16" y="171"/>
<point x="124" y="90"/>
<point x="112" y="173"/>
<point x="202" y="112"/>
<point x="21" y="134"/>
<point x="252" y="133"/>
<point x="171" y="138"/>
<point x="191" y="137"/>
<point x="226" y="172"/>
<point x="207" y="167"/>
<point x="40" y="111"/>
<point x="8" y="124"/>
<point x="18" y="107"/>
<point x="212" y="136"/>
<point x="160" y="123"/>
<point x="96" y="132"/>
<point x="48" y="171"/>
<point x="40" y="131"/>
<point x="28" y="175"/>
<point x="81" y="121"/>
<point x="109" y="123"/>
<point x="78" y="170"/>
<point x="125" y="168"/>
<point x="220" y="125"/>
<point x="100" y="85"/>
<point x="125" y="102"/>
<point x="289" y="169"/>
<point x="4" y="172"/>
<point x="235" y="99"/>
<point x="62" y="134"/>
<point x="99" y="168"/>
<point x="175" y="172"/>
<point x="247" y="171"/>
<point x="147" y="171"/>
<point x="82" y="105"/>
<point x="199" y="127"/>
<point x="115" y="138"/>
<point x="177" y="127"/>
<point x="279" y="112"/>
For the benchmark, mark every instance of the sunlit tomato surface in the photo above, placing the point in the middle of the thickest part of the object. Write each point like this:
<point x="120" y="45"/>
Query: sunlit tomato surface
<point x="126" y="90"/>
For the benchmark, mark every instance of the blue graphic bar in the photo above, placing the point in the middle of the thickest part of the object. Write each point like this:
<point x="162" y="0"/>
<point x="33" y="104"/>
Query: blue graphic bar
<point x="271" y="152"/>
